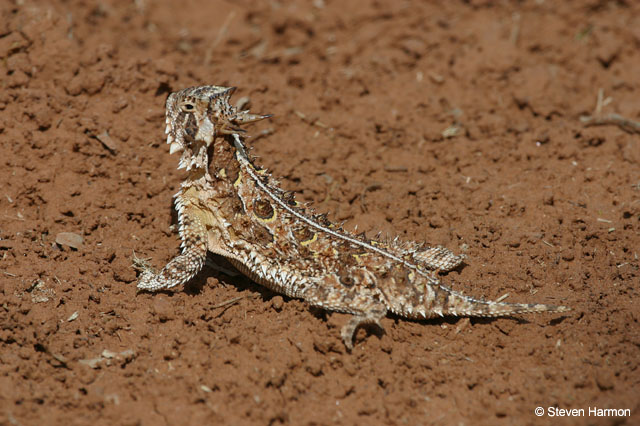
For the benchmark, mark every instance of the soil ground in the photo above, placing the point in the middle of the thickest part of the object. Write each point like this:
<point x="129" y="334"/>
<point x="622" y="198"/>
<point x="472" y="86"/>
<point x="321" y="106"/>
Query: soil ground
<point x="457" y="123"/>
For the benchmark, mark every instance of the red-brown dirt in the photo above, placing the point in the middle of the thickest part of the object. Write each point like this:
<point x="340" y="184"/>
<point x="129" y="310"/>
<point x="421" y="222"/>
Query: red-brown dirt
<point x="546" y="208"/>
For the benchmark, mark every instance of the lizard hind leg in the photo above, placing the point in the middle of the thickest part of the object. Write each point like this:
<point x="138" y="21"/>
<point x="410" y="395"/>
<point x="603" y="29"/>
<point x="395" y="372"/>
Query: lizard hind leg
<point x="183" y="267"/>
<point x="371" y="316"/>
<point x="365" y="306"/>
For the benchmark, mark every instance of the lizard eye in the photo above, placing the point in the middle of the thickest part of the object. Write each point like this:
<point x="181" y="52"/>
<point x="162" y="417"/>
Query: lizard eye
<point x="187" y="107"/>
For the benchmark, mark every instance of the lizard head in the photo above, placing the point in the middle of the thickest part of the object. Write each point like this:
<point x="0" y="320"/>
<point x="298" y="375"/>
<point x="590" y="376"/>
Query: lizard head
<point x="196" y="116"/>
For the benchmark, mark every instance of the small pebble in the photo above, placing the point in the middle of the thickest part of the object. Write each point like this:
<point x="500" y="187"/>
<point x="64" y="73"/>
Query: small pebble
<point x="108" y="141"/>
<point x="277" y="303"/>
<point x="70" y="239"/>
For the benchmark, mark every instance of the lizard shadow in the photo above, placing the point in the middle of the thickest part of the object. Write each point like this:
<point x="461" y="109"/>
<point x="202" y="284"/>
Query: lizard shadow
<point x="453" y="320"/>
<point x="221" y="269"/>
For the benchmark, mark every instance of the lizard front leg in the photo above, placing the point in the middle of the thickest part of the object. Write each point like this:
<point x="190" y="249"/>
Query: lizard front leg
<point x="183" y="267"/>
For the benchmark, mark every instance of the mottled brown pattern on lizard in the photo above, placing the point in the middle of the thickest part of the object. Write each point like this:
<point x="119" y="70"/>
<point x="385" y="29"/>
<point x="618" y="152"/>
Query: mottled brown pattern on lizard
<point x="229" y="206"/>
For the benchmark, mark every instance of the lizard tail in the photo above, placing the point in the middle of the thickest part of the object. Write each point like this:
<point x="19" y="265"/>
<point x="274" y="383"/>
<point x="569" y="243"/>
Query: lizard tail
<point x="446" y="302"/>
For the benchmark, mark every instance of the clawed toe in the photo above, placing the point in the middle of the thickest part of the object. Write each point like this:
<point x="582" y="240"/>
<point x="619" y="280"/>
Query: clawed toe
<point x="348" y="331"/>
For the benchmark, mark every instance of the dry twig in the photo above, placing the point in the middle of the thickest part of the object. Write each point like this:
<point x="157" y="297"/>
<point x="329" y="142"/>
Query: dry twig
<point x="599" y="119"/>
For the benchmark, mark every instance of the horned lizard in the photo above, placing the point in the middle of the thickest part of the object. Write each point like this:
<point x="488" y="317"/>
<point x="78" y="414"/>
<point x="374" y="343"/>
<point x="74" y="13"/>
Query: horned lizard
<point x="230" y="206"/>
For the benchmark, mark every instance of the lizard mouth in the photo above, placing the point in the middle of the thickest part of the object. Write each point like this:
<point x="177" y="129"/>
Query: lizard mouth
<point x="204" y="134"/>
<point x="174" y="145"/>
